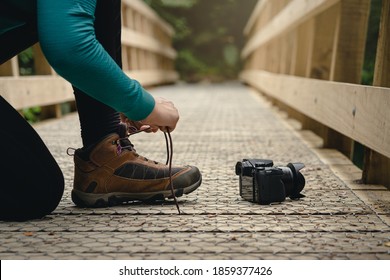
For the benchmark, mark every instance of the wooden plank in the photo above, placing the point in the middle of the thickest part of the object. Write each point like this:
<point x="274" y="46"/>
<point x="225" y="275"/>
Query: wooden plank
<point x="32" y="91"/>
<point x="141" y="59"/>
<point x="376" y="166"/>
<point x="134" y="59"/>
<point x="345" y="62"/>
<point x="135" y="39"/>
<point x="254" y="16"/>
<point x="337" y="140"/>
<point x="306" y="58"/>
<point x="15" y="67"/>
<point x="129" y="18"/>
<point x="6" y="68"/>
<point x="41" y="65"/>
<point x="153" y="77"/>
<point x="263" y="18"/>
<point x="303" y="49"/>
<point x="352" y="40"/>
<point x="51" y="111"/>
<point x="29" y="91"/>
<point x="143" y="9"/>
<point x="137" y="23"/>
<point x="125" y="58"/>
<point x="295" y="13"/>
<point x="359" y="112"/>
<point x="10" y="67"/>
<point x="323" y="44"/>
<point x="273" y="55"/>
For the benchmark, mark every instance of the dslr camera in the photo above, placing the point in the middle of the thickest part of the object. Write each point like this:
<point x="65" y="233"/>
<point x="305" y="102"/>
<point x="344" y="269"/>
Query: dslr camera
<point x="262" y="183"/>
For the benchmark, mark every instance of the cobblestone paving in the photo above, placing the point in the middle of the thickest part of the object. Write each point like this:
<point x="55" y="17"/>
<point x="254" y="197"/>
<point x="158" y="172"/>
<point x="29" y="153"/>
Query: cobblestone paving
<point x="220" y="125"/>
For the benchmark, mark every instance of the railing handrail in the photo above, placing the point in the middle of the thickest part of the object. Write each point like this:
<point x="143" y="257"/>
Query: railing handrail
<point x="291" y="16"/>
<point x="146" y="11"/>
<point x="308" y="55"/>
<point x="353" y="116"/>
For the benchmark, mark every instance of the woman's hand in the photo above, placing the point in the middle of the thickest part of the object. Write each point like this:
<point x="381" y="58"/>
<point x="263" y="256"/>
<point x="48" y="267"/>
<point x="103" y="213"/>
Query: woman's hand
<point x="164" y="116"/>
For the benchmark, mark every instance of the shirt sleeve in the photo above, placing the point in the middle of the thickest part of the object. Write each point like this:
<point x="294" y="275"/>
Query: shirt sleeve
<point x="67" y="37"/>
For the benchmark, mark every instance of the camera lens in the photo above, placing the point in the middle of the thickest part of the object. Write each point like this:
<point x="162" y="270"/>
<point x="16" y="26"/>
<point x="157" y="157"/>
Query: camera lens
<point x="293" y="180"/>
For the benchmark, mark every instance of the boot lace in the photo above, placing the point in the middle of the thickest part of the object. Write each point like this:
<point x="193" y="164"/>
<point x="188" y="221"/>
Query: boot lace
<point x="124" y="143"/>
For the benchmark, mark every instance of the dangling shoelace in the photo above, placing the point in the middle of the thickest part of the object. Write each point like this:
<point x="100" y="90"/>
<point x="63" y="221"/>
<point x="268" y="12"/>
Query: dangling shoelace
<point x="167" y="136"/>
<point x="169" y="145"/>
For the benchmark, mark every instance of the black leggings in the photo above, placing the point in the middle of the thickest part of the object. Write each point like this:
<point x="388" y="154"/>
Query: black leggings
<point x="32" y="183"/>
<point x="97" y="119"/>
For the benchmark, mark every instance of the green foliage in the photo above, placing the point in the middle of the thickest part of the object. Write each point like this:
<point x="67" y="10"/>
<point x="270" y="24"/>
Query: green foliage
<point x="32" y="114"/>
<point x="369" y="66"/>
<point x="371" y="42"/>
<point x="26" y="62"/>
<point x="26" y="67"/>
<point x="208" y="35"/>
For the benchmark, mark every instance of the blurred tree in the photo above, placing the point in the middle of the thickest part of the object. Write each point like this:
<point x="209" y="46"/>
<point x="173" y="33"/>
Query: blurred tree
<point x="209" y="35"/>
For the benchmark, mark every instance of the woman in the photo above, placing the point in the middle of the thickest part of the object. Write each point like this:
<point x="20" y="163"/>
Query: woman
<point x="81" y="41"/>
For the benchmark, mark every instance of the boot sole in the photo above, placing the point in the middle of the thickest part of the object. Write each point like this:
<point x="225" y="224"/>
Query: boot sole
<point x="83" y="199"/>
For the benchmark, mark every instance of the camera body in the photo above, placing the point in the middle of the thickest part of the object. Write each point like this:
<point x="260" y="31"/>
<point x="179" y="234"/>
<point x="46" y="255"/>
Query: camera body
<point x="262" y="183"/>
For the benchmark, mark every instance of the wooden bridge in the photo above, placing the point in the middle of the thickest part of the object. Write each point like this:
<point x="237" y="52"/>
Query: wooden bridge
<point x="302" y="101"/>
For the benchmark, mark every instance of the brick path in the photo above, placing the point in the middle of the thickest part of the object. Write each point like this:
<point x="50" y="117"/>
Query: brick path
<point x="220" y="125"/>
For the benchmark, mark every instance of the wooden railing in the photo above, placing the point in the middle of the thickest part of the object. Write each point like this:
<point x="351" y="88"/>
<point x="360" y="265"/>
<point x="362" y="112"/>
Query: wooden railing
<point x="307" y="56"/>
<point x="146" y="45"/>
<point x="147" y="56"/>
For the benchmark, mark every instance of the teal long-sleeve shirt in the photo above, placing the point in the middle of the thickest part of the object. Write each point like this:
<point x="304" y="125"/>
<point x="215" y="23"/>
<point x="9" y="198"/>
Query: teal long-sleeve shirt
<point x="67" y="37"/>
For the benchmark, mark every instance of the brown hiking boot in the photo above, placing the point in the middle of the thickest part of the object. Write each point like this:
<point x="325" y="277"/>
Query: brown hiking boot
<point x="114" y="173"/>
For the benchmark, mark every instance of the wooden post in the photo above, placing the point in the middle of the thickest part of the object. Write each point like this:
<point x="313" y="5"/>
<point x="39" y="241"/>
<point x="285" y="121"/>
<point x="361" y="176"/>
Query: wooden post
<point x="347" y="59"/>
<point x="314" y="55"/>
<point x="351" y="41"/>
<point x="129" y="18"/>
<point x="302" y="63"/>
<point x="304" y="41"/>
<point x="15" y="66"/>
<point x="125" y="59"/>
<point x="6" y="69"/>
<point x="263" y="17"/>
<point x="51" y="111"/>
<point x="10" y="68"/>
<point x="376" y="169"/>
<point x="41" y="65"/>
<point x="134" y="59"/>
<point x="323" y="45"/>
<point x="137" y="22"/>
<point x="287" y="49"/>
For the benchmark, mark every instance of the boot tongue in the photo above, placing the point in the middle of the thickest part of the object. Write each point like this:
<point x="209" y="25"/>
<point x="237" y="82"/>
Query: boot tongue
<point x="123" y="137"/>
<point x="122" y="130"/>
